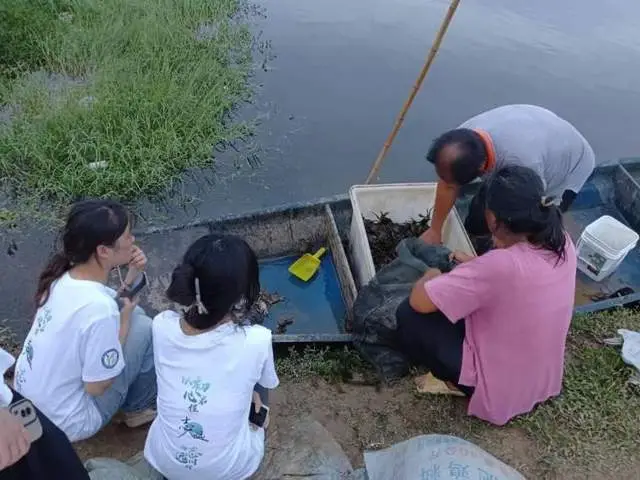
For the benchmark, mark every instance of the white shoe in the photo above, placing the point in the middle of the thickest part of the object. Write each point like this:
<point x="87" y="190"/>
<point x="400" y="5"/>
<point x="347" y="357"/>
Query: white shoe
<point x="136" y="419"/>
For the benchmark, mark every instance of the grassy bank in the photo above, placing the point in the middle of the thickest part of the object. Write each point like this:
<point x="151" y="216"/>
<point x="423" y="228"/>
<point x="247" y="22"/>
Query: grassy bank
<point x="596" y="417"/>
<point x="126" y="95"/>
<point x="593" y="424"/>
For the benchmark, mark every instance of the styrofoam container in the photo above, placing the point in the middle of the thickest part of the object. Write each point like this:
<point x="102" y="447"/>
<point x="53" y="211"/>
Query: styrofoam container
<point x="402" y="202"/>
<point x="603" y="246"/>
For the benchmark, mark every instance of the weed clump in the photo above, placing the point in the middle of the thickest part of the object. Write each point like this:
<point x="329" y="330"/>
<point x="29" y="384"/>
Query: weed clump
<point x="331" y="364"/>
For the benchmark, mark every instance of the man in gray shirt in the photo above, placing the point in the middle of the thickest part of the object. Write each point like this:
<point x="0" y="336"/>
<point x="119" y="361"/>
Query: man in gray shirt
<point x="524" y="135"/>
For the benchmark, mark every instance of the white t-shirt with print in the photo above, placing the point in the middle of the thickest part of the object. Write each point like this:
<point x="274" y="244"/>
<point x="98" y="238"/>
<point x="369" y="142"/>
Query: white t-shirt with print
<point x="205" y="388"/>
<point x="73" y="339"/>
<point x="6" y="395"/>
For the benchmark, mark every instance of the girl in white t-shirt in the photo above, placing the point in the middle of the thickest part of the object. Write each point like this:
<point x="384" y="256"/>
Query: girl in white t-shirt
<point x="209" y="365"/>
<point x="84" y="358"/>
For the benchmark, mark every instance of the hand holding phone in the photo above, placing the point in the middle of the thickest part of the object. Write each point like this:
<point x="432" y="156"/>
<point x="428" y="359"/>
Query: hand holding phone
<point x="14" y="439"/>
<point x="258" y="412"/>
<point x="19" y="428"/>
<point x="131" y="291"/>
<point x="258" y="416"/>
<point x="24" y="411"/>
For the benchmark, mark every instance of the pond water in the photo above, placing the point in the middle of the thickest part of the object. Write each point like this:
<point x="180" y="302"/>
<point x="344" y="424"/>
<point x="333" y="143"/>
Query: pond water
<point x="313" y="307"/>
<point x="342" y="70"/>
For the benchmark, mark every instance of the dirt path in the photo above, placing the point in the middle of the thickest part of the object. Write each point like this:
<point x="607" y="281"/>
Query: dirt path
<point x="363" y="417"/>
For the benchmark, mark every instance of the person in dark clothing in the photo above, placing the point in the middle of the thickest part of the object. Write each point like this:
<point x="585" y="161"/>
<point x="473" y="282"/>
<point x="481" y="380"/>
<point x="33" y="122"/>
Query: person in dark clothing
<point x="51" y="456"/>
<point x="511" y="135"/>
<point x="432" y="341"/>
<point x="476" y="224"/>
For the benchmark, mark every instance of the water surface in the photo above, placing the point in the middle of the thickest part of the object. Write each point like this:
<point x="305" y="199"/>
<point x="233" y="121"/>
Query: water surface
<point x="342" y="70"/>
<point x="315" y="306"/>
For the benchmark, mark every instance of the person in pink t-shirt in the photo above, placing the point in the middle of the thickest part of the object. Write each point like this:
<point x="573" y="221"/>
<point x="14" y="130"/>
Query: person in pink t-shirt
<point x="496" y="325"/>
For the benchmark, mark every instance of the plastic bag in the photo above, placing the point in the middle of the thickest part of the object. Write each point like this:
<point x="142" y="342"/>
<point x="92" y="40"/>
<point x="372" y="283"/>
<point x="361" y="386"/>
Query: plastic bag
<point x="436" y="457"/>
<point x="630" y="352"/>
<point x="630" y="347"/>
<point x="137" y="468"/>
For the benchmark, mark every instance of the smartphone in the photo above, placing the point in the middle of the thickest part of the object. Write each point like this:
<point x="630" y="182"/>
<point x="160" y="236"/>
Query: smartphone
<point x="26" y="414"/>
<point x="138" y="284"/>
<point x="259" y="418"/>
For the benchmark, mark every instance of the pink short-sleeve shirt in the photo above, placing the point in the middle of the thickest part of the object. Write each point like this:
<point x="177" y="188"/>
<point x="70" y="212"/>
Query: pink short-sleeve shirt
<point x="517" y="304"/>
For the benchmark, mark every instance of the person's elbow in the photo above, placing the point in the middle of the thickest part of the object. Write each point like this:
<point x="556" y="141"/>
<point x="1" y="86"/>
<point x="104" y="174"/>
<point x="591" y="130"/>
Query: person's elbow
<point x="419" y="298"/>
<point x="96" y="389"/>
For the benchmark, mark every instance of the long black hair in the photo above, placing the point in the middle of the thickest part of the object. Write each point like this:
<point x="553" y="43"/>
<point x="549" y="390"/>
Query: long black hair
<point x="473" y="154"/>
<point x="90" y="223"/>
<point x="226" y="270"/>
<point x="515" y="195"/>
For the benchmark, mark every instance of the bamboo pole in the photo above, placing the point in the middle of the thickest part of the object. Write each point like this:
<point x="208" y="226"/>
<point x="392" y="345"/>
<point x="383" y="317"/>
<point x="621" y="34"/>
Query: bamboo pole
<point x="373" y="173"/>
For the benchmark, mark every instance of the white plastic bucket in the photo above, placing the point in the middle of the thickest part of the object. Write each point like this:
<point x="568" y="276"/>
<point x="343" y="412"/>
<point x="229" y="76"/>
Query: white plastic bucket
<point x="402" y="202"/>
<point x="603" y="246"/>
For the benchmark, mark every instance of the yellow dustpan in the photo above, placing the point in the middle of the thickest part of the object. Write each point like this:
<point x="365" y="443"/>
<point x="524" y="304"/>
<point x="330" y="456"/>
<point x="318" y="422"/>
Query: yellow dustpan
<point x="306" y="266"/>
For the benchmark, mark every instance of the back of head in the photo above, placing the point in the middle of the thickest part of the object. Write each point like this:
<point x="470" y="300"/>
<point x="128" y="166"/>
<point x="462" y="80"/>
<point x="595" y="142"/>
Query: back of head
<point x="459" y="156"/>
<point x="89" y="224"/>
<point x="226" y="271"/>
<point x="515" y="196"/>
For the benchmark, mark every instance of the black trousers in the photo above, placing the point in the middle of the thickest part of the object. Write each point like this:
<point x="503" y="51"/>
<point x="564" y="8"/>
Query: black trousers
<point x="432" y="341"/>
<point x="50" y="457"/>
<point x="476" y="223"/>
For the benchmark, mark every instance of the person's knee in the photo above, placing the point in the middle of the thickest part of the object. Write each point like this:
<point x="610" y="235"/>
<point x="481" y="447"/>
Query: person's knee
<point x="139" y="312"/>
<point x="139" y="337"/>
<point x="142" y="322"/>
<point x="407" y="320"/>
<point x="404" y="312"/>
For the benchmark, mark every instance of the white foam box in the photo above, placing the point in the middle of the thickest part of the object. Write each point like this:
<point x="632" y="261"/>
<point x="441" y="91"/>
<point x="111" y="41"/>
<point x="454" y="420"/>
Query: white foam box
<point x="402" y="202"/>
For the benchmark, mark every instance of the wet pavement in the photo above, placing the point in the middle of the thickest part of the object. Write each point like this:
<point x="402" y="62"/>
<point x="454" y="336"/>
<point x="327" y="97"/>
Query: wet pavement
<point x="331" y="77"/>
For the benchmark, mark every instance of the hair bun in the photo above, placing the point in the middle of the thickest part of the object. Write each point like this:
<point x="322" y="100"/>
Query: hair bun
<point x="182" y="288"/>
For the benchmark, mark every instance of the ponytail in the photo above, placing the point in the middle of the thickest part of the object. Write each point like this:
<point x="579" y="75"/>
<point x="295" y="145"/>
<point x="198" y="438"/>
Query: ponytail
<point x="57" y="266"/>
<point x="515" y="195"/>
<point x="90" y="223"/>
<point x="550" y="234"/>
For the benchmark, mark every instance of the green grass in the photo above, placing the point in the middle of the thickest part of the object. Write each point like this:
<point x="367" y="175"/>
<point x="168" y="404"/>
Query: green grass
<point x="596" y="417"/>
<point x="8" y="218"/>
<point x="335" y="364"/>
<point x="148" y="97"/>
<point x="24" y="28"/>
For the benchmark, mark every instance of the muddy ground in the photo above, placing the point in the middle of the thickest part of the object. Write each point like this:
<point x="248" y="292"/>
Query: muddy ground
<point x="368" y="418"/>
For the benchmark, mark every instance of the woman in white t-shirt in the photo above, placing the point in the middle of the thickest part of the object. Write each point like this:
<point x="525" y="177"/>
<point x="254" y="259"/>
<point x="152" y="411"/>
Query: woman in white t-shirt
<point x="84" y="359"/>
<point x="208" y="365"/>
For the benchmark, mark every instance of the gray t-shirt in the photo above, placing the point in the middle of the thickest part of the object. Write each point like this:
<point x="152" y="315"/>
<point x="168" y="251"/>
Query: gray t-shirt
<point x="534" y="137"/>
